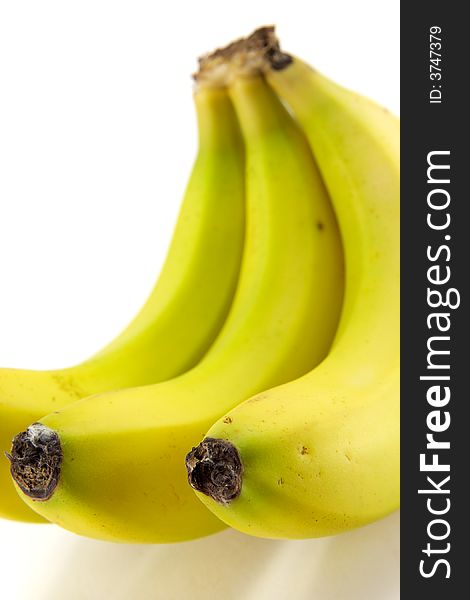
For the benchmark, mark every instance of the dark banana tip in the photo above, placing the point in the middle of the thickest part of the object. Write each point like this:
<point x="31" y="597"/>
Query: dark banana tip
<point x="35" y="461"/>
<point x="215" y="469"/>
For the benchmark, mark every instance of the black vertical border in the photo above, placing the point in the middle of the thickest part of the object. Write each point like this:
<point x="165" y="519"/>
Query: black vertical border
<point x="426" y="127"/>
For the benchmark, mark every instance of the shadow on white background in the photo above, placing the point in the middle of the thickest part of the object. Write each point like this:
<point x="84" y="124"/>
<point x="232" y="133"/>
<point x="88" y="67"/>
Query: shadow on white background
<point x="359" y="565"/>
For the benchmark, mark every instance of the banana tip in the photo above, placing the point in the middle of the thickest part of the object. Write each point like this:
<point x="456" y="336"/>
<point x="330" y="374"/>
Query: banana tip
<point x="35" y="461"/>
<point x="215" y="469"/>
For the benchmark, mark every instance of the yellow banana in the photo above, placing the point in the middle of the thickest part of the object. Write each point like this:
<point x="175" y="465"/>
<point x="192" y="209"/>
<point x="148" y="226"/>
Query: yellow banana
<point x="185" y="310"/>
<point x="320" y="455"/>
<point x="112" y="466"/>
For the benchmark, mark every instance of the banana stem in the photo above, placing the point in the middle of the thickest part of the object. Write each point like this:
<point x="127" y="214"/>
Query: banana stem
<point x="248" y="56"/>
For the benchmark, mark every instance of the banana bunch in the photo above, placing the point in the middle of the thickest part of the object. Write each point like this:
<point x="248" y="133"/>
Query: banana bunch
<point x="272" y="335"/>
<point x="185" y="310"/>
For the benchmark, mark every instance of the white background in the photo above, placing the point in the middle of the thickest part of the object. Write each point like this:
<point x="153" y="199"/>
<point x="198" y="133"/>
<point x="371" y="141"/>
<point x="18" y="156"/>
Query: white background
<point x="97" y="138"/>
